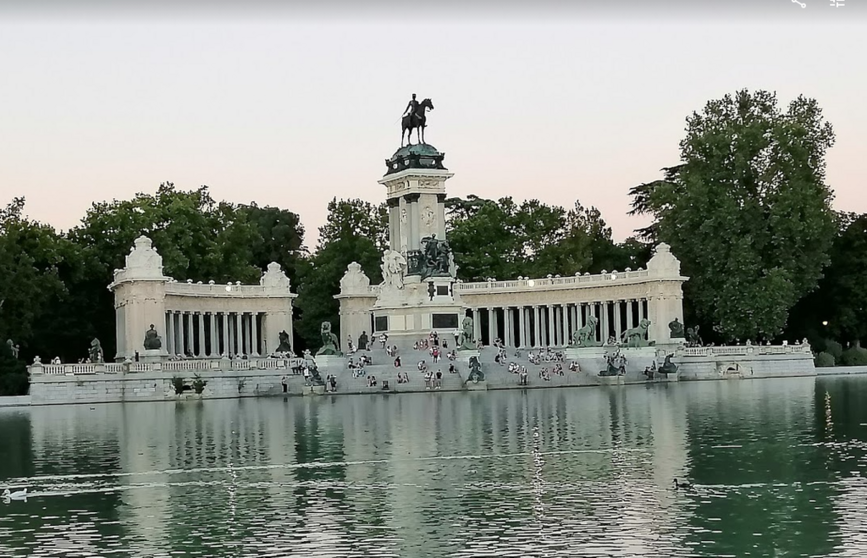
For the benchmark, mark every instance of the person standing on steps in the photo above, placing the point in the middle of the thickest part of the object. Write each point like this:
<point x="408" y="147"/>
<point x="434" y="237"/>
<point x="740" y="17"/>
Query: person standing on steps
<point x="285" y="384"/>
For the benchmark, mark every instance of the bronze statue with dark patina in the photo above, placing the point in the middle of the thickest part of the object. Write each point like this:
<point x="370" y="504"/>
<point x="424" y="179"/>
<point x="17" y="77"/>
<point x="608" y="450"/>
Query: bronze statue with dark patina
<point x="414" y="118"/>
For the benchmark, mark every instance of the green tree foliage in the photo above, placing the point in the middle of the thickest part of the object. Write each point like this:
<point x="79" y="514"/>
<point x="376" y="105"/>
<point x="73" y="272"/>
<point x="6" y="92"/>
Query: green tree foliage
<point x="856" y="355"/>
<point x="838" y="307"/>
<point x="280" y="237"/>
<point x="824" y="360"/>
<point x="30" y="254"/>
<point x="355" y="231"/>
<point x="13" y="373"/>
<point x="748" y="212"/>
<point x="504" y="240"/>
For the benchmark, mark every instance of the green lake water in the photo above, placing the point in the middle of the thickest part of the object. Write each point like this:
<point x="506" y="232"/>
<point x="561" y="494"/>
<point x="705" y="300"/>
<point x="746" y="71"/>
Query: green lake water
<point x="778" y="468"/>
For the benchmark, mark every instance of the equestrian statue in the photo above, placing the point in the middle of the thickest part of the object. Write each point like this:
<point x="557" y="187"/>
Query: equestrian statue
<point x="414" y="118"/>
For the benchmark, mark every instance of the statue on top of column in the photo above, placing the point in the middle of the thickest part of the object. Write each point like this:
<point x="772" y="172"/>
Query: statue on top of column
<point x="152" y="339"/>
<point x="414" y="119"/>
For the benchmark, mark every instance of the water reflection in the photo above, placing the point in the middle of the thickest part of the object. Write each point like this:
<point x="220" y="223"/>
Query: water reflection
<point x="575" y="472"/>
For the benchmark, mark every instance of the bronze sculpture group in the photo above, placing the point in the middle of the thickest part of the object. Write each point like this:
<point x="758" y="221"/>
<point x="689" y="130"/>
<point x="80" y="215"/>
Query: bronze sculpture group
<point x="414" y="119"/>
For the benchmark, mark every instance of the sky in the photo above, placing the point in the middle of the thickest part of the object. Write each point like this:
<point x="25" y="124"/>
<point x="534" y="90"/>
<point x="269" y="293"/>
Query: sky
<point x="291" y="105"/>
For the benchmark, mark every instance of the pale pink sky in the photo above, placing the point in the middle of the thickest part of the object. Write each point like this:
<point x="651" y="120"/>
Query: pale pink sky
<point x="292" y="114"/>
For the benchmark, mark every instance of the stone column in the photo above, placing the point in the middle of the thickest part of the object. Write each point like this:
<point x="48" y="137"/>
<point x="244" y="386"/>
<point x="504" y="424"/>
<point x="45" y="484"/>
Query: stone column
<point x="640" y="309"/>
<point x="254" y="334"/>
<point x="188" y="346"/>
<point x="492" y="326"/>
<point x="629" y="323"/>
<point x="537" y="328"/>
<point x="477" y="325"/>
<point x="226" y="349"/>
<point x="215" y="344"/>
<point x="170" y="334"/>
<point x="617" y="329"/>
<point x="552" y="333"/>
<point x="201" y="353"/>
<point x="564" y="324"/>
<point x="239" y="332"/>
<point x="507" y="327"/>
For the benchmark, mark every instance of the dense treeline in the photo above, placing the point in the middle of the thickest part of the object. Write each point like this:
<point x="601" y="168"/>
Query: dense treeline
<point x="747" y="212"/>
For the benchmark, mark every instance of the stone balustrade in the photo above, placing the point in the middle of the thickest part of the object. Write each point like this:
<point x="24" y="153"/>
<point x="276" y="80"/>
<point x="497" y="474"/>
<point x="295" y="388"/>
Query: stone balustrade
<point x="743" y="350"/>
<point x="215" y="290"/>
<point x="191" y="365"/>
<point x="550" y="283"/>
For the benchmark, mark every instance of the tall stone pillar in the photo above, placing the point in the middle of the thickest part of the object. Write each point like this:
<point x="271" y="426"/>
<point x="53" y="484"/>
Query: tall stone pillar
<point x="254" y="334"/>
<point x="201" y="319"/>
<point x="189" y="348"/>
<point x="537" y="327"/>
<point x="239" y="332"/>
<point x="226" y="347"/>
<point x="477" y="325"/>
<point x="171" y="341"/>
<point x="617" y="328"/>
<point x="507" y="326"/>
<point x="213" y="340"/>
<point x="665" y="296"/>
<point x="492" y="326"/>
<point x="629" y="322"/>
<point x="564" y="324"/>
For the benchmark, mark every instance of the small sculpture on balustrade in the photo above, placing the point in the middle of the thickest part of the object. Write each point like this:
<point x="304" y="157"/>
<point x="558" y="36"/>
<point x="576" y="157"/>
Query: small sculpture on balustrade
<point x="465" y="341"/>
<point x="152" y="339"/>
<point x="476" y="374"/>
<point x="37" y="360"/>
<point x="692" y="337"/>
<point x="363" y="341"/>
<point x="636" y="336"/>
<point x="13" y="348"/>
<point x="95" y="352"/>
<point x="676" y="329"/>
<point x="330" y="343"/>
<point x="285" y="347"/>
<point x="668" y="367"/>
<point x="586" y="336"/>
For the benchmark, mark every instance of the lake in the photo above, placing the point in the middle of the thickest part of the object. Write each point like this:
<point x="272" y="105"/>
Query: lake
<point x="777" y="468"/>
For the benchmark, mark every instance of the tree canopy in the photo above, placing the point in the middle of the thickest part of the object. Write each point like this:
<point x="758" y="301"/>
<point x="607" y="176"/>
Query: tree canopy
<point x="747" y="212"/>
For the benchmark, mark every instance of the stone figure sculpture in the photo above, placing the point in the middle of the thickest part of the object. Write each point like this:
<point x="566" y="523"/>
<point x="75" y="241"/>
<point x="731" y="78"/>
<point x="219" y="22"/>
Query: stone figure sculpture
<point x="586" y="336"/>
<point x="465" y="341"/>
<point x="285" y="346"/>
<point x="363" y="340"/>
<point x="152" y="339"/>
<point x="636" y="336"/>
<point x="692" y="337"/>
<point x="668" y="367"/>
<point x="435" y="259"/>
<point x="414" y="119"/>
<point x="95" y="351"/>
<point x="315" y="378"/>
<point x="330" y="343"/>
<point x="13" y="348"/>
<point x="476" y="374"/>
<point x="394" y="268"/>
<point x="676" y="329"/>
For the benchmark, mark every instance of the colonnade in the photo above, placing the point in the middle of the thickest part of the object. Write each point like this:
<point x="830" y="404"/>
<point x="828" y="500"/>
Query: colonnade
<point x="553" y="325"/>
<point x="213" y="334"/>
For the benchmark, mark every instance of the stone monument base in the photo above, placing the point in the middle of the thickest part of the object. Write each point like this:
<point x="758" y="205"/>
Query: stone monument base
<point x="575" y="353"/>
<point x="313" y="390"/>
<point x="476" y="386"/>
<point x="610" y="380"/>
<point x="151" y="355"/>
<point x="465" y="355"/>
<point x="330" y="362"/>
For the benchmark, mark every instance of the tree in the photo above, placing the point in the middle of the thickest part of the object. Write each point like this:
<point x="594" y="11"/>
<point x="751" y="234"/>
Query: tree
<point x="13" y="373"/>
<point x="504" y="240"/>
<point x="837" y="309"/>
<point x="280" y="237"/>
<point x="355" y="231"/>
<point x="30" y="254"/>
<point x="748" y="212"/>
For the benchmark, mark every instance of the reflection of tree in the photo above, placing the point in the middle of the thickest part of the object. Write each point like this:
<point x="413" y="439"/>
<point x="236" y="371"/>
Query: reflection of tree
<point x="765" y="504"/>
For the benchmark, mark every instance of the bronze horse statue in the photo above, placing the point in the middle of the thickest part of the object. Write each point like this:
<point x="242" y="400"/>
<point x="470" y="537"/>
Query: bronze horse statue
<point x="415" y="119"/>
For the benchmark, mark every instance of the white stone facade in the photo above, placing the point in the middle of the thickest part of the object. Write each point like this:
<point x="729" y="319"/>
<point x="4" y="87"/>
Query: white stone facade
<point x="195" y="319"/>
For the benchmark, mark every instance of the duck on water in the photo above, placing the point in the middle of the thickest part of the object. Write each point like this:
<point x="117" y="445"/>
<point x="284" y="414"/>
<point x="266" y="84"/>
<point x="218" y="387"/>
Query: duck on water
<point x="17" y="495"/>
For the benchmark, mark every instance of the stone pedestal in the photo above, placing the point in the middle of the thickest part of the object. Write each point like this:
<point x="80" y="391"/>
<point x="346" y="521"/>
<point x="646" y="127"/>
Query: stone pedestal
<point x="465" y="355"/>
<point x="576" y="353"/>
<point x="151" y="355"/>
<point x="610" y="380"/>
<point x="330" y="362"/>
<point x="477" y="386"/>
<point x="313" y="390"/>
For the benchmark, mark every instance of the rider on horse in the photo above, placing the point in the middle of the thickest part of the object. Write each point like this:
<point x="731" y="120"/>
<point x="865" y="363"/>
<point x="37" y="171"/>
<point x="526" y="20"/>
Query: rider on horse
<point x="411" y="107"/>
